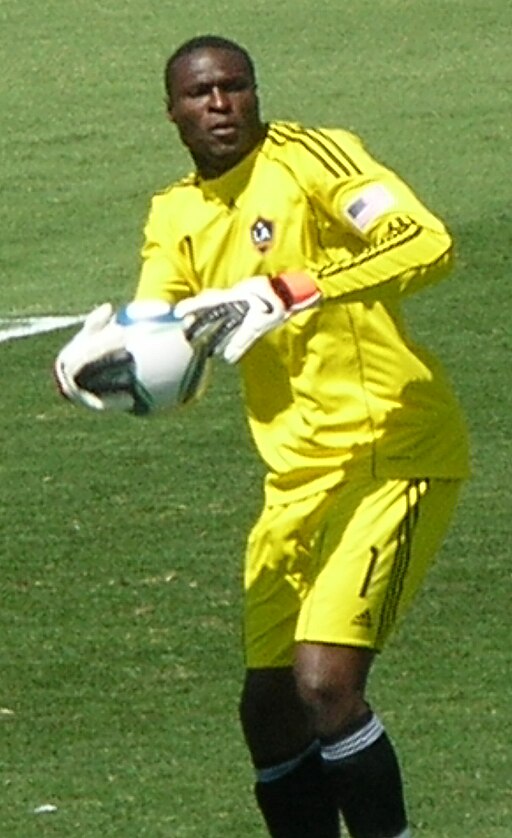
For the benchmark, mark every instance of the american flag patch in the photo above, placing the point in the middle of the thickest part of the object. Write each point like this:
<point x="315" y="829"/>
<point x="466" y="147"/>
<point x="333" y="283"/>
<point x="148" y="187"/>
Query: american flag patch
<point x="369" y="205"/>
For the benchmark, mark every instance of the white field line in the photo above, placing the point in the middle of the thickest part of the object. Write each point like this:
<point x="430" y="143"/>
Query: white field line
<point x="22" y="327"/>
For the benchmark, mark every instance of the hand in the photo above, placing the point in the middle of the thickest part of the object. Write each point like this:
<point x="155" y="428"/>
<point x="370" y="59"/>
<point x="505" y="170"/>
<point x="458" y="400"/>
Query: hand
<point x="230" y="321"/>
<point x="98" y="347"/>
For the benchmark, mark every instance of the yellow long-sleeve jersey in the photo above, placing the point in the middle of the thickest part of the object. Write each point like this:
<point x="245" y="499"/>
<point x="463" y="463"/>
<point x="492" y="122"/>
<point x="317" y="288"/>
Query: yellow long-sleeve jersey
<point x="341" y="389"/>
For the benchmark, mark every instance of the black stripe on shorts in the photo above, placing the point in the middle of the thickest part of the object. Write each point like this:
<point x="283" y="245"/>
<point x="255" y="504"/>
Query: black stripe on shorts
<point x="401" y="560"/>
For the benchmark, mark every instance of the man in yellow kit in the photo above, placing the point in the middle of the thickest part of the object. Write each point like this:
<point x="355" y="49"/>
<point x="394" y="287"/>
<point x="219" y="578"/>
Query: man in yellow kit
<point x="290" y="249"/>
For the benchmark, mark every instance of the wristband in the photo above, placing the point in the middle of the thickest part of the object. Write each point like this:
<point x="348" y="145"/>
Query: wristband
<point x="296" y="290"/>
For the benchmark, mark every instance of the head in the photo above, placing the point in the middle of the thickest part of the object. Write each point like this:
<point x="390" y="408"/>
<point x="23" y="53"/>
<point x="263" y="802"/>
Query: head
<point x="211" y="98"/>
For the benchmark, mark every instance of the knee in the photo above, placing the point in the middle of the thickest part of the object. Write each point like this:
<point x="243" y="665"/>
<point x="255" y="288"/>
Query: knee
<point x="331" y="684"/>
<point x="254" y="701"/>
<point x="274" y="721"/>
<point x="266" y="695"/>
<point x="328" y="699"/>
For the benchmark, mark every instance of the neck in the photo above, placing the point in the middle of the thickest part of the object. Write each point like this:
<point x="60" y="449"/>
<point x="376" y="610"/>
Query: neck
<point x="210" y="168"/>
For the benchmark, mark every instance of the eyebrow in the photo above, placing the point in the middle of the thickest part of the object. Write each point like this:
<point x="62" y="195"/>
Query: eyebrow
<point x="230" y="82"/>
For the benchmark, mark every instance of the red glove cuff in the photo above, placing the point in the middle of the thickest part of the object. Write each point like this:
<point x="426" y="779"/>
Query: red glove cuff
<point x="297" y="290"/>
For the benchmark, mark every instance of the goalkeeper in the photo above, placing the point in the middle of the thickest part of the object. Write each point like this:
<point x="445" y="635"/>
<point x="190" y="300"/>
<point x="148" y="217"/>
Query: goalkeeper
<point x="289" y="249"/>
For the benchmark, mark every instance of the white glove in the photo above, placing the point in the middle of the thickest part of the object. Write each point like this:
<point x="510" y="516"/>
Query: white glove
<point x="99" y="340"/>
<point x="230" y="321"/>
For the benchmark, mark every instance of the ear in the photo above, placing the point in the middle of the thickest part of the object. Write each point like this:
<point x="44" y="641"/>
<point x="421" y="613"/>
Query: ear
<point x="169" y="110"/>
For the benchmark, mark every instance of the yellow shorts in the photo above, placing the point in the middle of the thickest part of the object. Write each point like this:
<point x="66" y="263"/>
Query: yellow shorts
<point x="341" y="566"/>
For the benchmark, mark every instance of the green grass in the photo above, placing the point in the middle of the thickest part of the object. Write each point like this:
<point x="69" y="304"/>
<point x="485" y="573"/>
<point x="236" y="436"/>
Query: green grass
<point x="120" y="540"/>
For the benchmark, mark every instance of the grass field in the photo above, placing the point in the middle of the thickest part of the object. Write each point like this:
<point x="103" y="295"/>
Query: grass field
<point x="120" y="540"/>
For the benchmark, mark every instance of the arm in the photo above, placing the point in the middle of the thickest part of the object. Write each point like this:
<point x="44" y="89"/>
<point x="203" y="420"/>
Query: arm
<point x="396" y="252"/>
<point x="98" y="352"/>
<point x="396" y="240"/>
<point x="166" y="271"/>
<point x="378" y="238"/>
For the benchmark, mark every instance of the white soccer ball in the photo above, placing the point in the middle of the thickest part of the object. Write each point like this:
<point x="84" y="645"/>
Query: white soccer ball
<point x="168" y="371"/>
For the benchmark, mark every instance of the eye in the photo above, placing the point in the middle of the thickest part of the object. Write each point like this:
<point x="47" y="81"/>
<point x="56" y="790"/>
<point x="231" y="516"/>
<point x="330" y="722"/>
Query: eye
<point x="199" y="91"/>
<point x="236" y="85"/>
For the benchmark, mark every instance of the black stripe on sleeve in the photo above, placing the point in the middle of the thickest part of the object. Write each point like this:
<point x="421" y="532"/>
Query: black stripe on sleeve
<point x="331" y="156"/>
<point x="407" y="231"/>
<point x="279" y="138"/>
<point x="338" y="150"/>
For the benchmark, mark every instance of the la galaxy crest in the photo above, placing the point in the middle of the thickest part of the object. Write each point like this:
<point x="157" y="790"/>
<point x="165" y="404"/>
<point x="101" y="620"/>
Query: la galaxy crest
<point x="262" y="234"/>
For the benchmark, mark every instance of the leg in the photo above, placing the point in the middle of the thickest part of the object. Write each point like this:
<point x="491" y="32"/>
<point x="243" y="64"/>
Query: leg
<point x="333" y="572"/>
<point x="292" y="789"/>
<point x="274" y="720"/>
<point x="331" y="682"/>
<point x="376" y="545"/>
<point x="358" y="756"/>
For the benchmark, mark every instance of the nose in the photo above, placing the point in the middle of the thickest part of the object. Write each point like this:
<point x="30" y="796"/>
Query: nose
<point x="219" y="99"/>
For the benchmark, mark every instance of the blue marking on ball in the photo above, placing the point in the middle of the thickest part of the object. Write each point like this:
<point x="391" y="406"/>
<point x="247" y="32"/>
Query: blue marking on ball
<point x="144" y="311"/>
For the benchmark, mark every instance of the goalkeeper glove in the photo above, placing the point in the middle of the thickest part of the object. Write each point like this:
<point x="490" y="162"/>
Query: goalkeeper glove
<point x="230" y="321"/>
<point x="98" y="348"/>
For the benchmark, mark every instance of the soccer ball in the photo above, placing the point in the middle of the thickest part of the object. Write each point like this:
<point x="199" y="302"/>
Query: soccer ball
<point x="157" y="369"/>
<point x="167" y="370"/>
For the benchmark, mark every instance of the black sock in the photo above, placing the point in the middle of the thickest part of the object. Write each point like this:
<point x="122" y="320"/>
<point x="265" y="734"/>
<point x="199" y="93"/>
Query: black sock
<point x="296" y="801"/>
<point x="365" y="775"/>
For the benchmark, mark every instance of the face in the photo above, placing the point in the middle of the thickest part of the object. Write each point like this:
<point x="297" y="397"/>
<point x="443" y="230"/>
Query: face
<point x="214" y="106"/>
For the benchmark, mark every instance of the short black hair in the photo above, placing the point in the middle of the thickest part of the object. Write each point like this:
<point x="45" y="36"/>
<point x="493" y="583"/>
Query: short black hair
<point x="205" y="42"/>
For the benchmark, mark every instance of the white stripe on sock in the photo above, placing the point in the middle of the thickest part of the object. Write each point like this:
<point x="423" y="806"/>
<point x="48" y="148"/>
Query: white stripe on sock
<point x="274" y="772"/>
<point x="354" y="743"/>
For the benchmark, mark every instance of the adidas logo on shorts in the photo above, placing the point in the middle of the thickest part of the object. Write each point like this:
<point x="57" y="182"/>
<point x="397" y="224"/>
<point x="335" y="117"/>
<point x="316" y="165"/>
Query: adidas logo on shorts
<point x="364" y="619"/>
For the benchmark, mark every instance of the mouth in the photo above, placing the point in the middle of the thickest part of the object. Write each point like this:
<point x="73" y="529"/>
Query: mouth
<point x="223" y="131"/>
